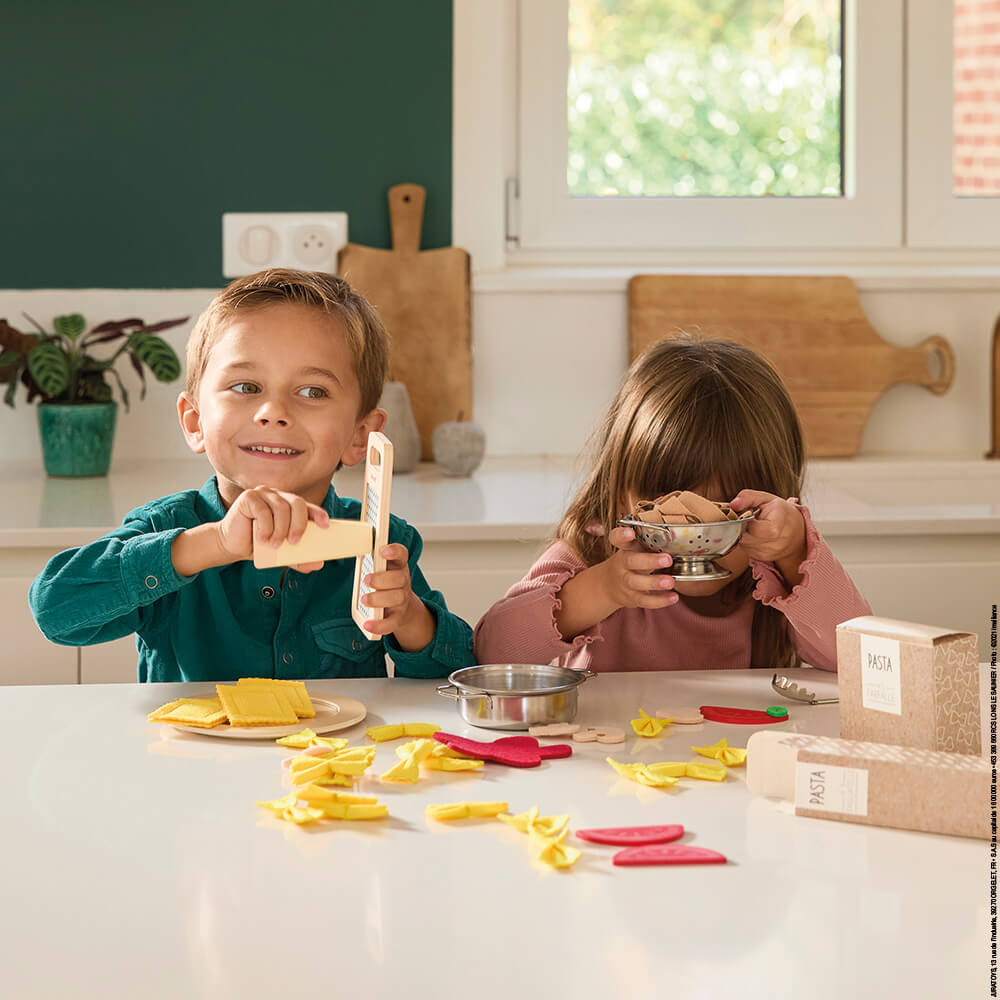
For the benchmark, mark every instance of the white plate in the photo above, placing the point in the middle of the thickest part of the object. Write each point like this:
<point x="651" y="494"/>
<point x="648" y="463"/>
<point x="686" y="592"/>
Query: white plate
<point x="331" y="714"/>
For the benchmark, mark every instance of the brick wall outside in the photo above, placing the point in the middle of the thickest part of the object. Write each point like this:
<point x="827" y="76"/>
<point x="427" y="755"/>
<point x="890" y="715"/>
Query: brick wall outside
<point x="977" y="97"/>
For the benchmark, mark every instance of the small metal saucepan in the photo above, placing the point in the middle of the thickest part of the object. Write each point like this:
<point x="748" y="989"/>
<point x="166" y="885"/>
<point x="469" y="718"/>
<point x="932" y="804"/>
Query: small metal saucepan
<point x="514" y="695"/>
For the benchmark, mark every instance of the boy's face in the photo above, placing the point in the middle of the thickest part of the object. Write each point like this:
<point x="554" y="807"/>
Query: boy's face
<point x="278" y="404"/>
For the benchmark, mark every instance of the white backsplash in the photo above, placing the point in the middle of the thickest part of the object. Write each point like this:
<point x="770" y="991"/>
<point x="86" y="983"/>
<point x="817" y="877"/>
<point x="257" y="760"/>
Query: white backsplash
<point x="546" y="363"/>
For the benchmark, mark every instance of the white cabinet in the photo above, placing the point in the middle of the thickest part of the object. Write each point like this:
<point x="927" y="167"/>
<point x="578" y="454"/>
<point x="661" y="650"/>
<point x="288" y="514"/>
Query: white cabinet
<point x="26" y="656"/>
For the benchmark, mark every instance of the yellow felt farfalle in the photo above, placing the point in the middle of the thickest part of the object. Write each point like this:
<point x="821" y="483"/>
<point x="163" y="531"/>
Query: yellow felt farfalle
<point x="393" y="731"/>
<point x="341" y="805"/>
<point x="441" y="758"/>
<point x="465" y="810"/>
<point x="647" y="725"/>
<point x="408" y="769"/>
<point x="553" y="851"/>
<point x="722" y="751"/>
<point x="643" y="774"/>
<point x="311" y="803"/>
<point x="307" y="738"/>
<point x="706" y="772"/>
<point x="531" y="822"/>
<point x="335" y="767"/>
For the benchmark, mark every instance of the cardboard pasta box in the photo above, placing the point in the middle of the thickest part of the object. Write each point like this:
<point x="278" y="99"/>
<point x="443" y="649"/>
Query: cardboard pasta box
<point x="909" y="685"/>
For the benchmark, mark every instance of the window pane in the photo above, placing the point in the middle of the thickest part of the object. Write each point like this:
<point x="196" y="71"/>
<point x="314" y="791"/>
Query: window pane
<point x="705" y="97"/>
<point x="977" y="98"/>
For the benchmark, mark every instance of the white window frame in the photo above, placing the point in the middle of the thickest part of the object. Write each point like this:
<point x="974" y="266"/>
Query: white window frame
<point x="935" y="217"/>
<point x="869" y="214"/>
<point x="934" y="231"/>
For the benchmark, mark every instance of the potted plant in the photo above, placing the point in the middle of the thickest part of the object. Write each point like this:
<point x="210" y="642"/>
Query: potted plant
<point x="76" y="413"/>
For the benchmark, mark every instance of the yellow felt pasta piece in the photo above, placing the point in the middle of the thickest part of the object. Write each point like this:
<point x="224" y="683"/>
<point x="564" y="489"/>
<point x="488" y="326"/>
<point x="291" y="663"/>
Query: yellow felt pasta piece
<point x="672" y="769"/>
<point x="393" y="731"/>
<point x="380" y="734"/>
<point x="434" y="763"/>
<point x="297" y="741"/>
<point x="553" y="851"/>
<point x="286" y="808"/>
<point x="314" y="794"/>
<point x="642" y="774"/>
<point x="465" y="810"/>
<point x="408" y="769"/>
<point x="295" y="690"/>
<point x="706" y="772"/>
<point x="336" y="779"/>
<point x="722" y="751"/>
<point x="317" y="770"/>
<point x="531" y="822"/>
<point x="250" y="706"/>
<point x="648" y="726"/>
<point x="340" y="805"/>
<point x="200" y="713"/>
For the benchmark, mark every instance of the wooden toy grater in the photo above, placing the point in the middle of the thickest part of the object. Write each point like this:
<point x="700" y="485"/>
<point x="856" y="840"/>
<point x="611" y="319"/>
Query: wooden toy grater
<point x="374" y="511"/>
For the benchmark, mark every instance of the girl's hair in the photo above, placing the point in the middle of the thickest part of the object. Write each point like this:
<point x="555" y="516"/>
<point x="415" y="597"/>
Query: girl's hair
<point x="367" y="339"/>
<point x="690" y="413"/>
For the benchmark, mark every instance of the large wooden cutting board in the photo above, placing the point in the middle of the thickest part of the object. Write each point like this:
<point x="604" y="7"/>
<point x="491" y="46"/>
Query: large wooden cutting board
<point x="424" y="300"/>
<point x="811" y="329"/>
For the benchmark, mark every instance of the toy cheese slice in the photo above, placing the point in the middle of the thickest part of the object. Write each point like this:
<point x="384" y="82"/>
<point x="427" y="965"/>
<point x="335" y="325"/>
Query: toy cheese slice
<point x="339" y="540"/>
<point x="375" y="515"/>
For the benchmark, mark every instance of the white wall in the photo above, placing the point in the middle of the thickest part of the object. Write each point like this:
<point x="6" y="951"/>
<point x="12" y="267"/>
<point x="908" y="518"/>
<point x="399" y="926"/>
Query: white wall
<point x="548" y="360"/>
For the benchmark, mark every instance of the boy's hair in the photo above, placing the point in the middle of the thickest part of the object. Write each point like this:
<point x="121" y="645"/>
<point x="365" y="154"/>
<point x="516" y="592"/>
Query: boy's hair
<point x="689" y="413"/>
<point x="367" y="339"/>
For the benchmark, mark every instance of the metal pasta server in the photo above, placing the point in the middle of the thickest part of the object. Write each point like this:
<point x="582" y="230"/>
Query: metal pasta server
<point x="515" y="695"/>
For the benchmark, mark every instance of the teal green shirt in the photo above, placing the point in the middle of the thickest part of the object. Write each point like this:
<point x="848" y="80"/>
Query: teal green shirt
<point x="230" y="621"/>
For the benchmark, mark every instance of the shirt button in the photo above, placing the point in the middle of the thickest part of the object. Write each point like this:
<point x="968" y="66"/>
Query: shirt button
<point x="267" y="593"/>
<point x="151" y="582"/>
<point x="357" y="645"/>
<point x="287" y="657"/>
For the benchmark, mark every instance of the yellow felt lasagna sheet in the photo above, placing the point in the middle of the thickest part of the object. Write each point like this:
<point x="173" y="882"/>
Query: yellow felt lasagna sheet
<point x="252" y="706"/>
<point x="200" y="713"/>
<point x="294" y="690"/>
<point x="396" y="730"/>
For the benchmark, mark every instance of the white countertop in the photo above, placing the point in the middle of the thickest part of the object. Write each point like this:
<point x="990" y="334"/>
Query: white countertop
<point x="136" y="864"/>
<point x="515" y="498"/>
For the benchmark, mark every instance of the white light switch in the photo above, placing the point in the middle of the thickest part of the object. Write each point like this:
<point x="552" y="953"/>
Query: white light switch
<point x="252" y="241"/>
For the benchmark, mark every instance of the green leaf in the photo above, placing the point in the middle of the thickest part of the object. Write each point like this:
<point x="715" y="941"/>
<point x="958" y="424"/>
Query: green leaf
<point x="8" y="396"/>
<point x="157" y="354"/>
<point x="49" y="368"/>
<point x="121" y="387"/>
<point x="70" y="326"/>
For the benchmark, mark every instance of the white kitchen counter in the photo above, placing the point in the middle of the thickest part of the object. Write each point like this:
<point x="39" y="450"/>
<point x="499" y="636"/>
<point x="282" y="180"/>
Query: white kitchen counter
<point x="515" y="498"/>
<point x="136" y="864"/>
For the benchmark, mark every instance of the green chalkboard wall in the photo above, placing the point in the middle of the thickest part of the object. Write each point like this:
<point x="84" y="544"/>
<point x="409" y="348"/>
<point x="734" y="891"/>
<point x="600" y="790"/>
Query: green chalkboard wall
<point x="127" y="129"/>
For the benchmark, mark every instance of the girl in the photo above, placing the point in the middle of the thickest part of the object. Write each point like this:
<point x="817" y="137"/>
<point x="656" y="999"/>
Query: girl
<point x="714" y="418"/>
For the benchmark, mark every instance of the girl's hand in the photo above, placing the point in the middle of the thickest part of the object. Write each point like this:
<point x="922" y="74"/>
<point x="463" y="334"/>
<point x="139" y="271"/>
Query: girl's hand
<point x="265" y="516"/>
<point x="777" y="534"/>
<point x="406" y="616"/>
<point x="629" y="575"/>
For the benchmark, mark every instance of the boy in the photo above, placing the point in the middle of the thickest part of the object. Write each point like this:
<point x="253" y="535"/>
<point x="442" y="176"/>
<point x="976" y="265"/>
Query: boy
<point x="284" y="373"/>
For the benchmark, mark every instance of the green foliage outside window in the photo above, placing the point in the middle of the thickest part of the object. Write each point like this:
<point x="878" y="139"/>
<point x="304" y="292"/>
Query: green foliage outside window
<point x="705" y="97"/>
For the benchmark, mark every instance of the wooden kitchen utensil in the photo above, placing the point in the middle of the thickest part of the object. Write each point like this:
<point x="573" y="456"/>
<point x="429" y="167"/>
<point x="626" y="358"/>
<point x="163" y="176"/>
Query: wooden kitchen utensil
<point x="424" y="300"/>
<point x="811" y="329"/>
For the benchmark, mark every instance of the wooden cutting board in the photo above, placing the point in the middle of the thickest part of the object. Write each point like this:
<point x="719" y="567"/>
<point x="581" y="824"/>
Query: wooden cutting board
<point x="811" y="329"/>
<point x="424" y="300"/>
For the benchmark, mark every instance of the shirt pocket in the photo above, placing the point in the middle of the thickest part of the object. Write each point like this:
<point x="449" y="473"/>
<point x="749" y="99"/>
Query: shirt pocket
<point x="345" y="652"/>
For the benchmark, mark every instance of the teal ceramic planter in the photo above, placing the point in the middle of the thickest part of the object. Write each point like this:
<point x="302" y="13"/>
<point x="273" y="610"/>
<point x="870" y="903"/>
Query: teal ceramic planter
<point x="77" y="440"/>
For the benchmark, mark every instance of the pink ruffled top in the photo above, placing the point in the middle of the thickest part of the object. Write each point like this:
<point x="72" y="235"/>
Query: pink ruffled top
<point x="521" y="627"/>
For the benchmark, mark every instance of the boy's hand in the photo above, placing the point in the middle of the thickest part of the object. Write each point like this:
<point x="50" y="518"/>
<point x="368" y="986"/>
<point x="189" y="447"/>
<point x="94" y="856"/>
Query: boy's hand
<point x="406" y="616"/>
<point x="629" y="575"/>
<point x="777" y="534"/>
<point x="265" y="516"/>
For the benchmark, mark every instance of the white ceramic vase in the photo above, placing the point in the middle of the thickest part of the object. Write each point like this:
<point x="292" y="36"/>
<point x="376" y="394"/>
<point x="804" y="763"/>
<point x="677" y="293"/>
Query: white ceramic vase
<point x="400" y="427"/>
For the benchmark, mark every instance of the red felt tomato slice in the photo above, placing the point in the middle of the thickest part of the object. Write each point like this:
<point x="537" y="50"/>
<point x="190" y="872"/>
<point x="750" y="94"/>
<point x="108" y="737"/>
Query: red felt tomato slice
<point x="668" y="854"/>
<point x="626" y="836"/>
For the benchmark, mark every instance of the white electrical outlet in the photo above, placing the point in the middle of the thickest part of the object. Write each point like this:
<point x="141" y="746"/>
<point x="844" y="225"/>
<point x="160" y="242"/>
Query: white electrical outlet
<point x="253" y="241"/>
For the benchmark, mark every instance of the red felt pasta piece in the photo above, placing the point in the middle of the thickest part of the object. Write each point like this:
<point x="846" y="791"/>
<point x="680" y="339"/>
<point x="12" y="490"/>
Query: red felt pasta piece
<point x="633" y="836"/>
<point x="515" y="751"/>
<point x="738" y="716"/>
<point x="668" y="854"/>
